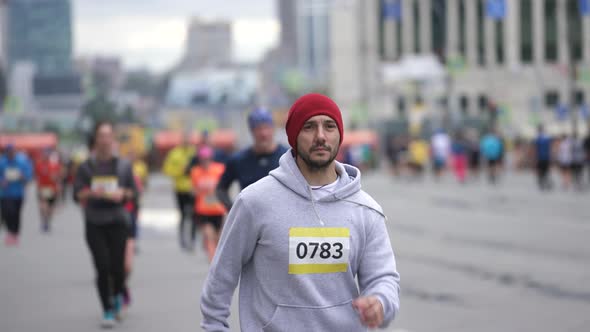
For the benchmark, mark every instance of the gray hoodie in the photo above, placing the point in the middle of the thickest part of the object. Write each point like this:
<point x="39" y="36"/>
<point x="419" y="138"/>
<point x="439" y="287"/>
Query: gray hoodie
<point x="301" y="262"/>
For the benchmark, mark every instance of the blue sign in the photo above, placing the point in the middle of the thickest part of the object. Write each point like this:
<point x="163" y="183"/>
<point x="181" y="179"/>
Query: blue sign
<point x="584" y="7"/>
<point x="496" y="9"/>
<point x="585" y="111"/>
<point x="561" y="112"/>
<point x="391" y="9"/>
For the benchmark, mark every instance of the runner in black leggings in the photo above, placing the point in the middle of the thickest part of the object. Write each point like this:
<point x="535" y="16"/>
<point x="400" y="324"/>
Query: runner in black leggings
<point x="102" y="186"/>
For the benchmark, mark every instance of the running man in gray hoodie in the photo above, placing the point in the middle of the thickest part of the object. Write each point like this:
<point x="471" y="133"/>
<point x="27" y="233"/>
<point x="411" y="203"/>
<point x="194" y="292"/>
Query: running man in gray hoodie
<point x="309" y="248"/>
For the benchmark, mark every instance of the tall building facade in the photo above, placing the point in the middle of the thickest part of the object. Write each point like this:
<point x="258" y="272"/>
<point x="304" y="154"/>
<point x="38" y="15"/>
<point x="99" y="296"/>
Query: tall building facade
<point x="313" y="39"/>
<point x="40" y="32"/>
<point x="288" y="20"/>
<point x="511" y="53"/>
<point x="208" y="44"/>
<point x="3" y="25"/>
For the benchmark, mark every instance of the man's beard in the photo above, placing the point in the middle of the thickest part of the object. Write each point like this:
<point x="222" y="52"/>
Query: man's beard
<point x="317" y="165"/>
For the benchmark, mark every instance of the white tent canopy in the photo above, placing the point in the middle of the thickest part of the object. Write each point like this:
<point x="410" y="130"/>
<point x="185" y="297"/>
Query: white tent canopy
<point x="413" y="68"/>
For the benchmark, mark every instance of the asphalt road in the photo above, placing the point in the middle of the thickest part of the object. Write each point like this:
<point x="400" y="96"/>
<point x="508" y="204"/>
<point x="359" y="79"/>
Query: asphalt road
<point x="472" y="258"/>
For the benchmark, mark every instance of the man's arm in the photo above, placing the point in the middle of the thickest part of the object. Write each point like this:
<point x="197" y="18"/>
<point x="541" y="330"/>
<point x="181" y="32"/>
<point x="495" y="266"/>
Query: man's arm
<point x="236" y="247"/>
<point x="222" y="190"/>
<point x="81" y="190"/>
<point x="377" y="276"/>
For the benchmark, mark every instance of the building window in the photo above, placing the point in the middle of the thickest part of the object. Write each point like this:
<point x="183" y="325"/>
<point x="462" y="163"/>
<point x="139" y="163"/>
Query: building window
<point x="551" y="30"/>
<point x="482" y="102"/>
<point x="439" y="28"/>
<point x="462" y="28"/>
<point x="551" y="99"/>
<point x="499" y="26"/>
<point x="464" y="104"/>
<point x="481" y="49"/>
<point x="579" y="98"/>
<point x="576" y="29"/>
<point x="416" y="11"/>
<point x="526" y="31"/>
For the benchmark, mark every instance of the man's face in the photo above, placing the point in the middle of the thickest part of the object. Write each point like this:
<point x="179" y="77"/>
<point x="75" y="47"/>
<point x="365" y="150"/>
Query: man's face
<point x="105" y="138"/>
<point x="318" y="141"/>
<point x="263" y="135"/>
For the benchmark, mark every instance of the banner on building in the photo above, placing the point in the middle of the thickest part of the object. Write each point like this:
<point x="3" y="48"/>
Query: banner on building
<point x="584" y="7"/>
<point x="391" y="9"/>
<point x="561" y="112"/>
<point x="496" y="9"/>
<point x="584" y="111"/>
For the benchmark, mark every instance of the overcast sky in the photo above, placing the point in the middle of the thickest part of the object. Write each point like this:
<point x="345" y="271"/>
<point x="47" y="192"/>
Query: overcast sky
<point x="151" y="33"/>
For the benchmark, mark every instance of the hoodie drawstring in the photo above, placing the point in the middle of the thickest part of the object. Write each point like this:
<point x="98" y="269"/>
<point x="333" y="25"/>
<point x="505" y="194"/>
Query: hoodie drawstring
<point x="313" y="205"/>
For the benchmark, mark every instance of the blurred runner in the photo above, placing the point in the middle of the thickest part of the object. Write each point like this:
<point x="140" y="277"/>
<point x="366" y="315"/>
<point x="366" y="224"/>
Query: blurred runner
<point x="103" y="184"/>
<point x="175" y="167"/>
<point x="418" y="155"/>
<point x="254" y="163"/>
<point x="473" y="152"/>
<point x="308" y="247"/>
<point x="209" y="210"/>
<point x="491" y="148"/>
<point x="459" y="152"/>
<point x="578" y="160"/>
<point x="48" y="171"/>
<point x="542" y="147"/>
<point x="15" y="172"/>
<point x="441" y="151"/>
<point x="564" y="158"/>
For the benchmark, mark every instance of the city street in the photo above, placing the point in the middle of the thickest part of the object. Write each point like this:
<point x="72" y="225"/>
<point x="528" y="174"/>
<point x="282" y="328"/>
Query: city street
<point x="471" y="257"/>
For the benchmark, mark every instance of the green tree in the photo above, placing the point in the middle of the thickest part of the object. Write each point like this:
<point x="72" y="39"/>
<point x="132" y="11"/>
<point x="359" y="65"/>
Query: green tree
<point x="98" y="109"/>
<point x="128" y="115"/>
<point x="53" y="127"/>
<point x="142" y="82"/>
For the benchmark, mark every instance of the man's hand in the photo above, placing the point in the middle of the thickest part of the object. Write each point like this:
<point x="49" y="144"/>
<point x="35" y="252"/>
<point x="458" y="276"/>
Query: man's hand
<point x="116" y="196"/>
<point x="370" y="311"/>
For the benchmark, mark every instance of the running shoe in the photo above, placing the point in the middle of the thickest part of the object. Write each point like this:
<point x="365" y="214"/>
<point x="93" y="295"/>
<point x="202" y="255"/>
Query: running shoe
<point x="108" y="320"/>
<point x="118" y="307"/>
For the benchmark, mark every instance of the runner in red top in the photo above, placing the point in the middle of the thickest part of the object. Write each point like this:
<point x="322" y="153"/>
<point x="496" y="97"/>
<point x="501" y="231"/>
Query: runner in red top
<point x="208" y="209"/>
<point x="48" y="172"/>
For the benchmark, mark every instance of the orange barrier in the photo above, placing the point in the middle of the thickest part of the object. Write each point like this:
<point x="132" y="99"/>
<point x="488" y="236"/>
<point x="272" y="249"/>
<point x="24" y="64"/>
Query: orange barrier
<point x="224" y="139"/>
<point x="33" y="144"/>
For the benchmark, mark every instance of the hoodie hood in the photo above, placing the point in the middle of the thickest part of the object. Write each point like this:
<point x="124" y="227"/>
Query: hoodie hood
<point x="347" y="189"/>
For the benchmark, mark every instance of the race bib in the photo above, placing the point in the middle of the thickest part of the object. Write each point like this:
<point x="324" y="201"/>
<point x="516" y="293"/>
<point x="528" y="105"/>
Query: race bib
<point x="47" y="192"/>
<point x="107" y="184"/>
<point x="12" y="174"/>
<point x="318" y="250"/>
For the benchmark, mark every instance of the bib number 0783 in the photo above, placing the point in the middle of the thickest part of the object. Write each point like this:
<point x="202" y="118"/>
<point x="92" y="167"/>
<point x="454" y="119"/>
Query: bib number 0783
<point x="326" y="250"/>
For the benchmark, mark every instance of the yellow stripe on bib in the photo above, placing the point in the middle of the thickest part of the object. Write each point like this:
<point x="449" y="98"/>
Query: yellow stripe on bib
<point x="319" y="232"/>
<point x="317" y="268"/>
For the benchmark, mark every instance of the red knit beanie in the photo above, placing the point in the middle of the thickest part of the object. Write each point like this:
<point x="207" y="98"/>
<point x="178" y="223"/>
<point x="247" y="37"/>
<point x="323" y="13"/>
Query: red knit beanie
<point x="308" y="106"/>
